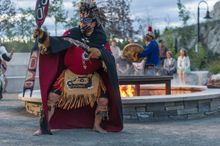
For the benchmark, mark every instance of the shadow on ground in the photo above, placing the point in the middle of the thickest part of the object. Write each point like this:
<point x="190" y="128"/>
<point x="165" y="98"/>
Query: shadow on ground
<point x="17" y="126"/>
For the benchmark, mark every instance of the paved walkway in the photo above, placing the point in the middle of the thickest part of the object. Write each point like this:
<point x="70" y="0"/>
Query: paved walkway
<point x="17" y="126"/>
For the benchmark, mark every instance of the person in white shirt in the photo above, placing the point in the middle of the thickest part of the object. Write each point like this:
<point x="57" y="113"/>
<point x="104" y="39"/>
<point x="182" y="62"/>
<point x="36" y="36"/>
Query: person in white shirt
<point x="116" y="52"/>
<point x="183" y="66"/>
<point x="4" y="56"/>
<point x="139" y="67"/>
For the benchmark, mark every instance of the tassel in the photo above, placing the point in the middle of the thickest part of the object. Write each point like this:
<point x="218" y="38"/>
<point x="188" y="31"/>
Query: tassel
<point x="104" y="66"/>
<point x="73" y="102"/>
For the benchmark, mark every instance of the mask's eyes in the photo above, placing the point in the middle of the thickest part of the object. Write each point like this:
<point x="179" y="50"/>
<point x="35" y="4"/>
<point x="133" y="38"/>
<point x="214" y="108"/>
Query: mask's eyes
<point x="86" y="20"/>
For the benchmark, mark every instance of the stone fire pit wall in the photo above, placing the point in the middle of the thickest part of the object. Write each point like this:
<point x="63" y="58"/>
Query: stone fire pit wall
<point x="203" y="103"/>
<point x="183" y="108"/>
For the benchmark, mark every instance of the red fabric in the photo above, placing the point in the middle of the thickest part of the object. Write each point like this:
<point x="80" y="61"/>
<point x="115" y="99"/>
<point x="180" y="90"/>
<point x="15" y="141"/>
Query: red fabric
<point x="66" y="33"/>
<point x="150" y="29"/>
<point x="114" y="123"/>
<point x="50" y="67"/>
<point x="107" y="46"/>
<point x="73" y="61"/>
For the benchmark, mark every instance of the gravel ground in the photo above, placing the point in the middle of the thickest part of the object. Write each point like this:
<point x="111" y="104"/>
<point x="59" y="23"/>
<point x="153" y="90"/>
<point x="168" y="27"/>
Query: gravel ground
<point x="17" y="126"/>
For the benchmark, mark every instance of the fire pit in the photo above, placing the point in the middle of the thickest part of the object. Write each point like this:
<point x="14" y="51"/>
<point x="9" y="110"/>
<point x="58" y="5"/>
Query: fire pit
<point x="137" y="80"/>
<point x="128" y="91"/>
<point x="151" y="102"/>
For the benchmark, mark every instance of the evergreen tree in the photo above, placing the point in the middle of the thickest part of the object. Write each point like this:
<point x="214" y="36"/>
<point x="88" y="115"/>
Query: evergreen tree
<point x="157" y="33"/>
<point x="184" y="14"/>
<point x="120" y="23"/>
<point x="25" y="23"/>
<point x="74" y="19"/>
<point x="7" y="21"/>
<point x="56" y="11"/>
<point x="118" y="14"/>
<point x="142" y="26"/>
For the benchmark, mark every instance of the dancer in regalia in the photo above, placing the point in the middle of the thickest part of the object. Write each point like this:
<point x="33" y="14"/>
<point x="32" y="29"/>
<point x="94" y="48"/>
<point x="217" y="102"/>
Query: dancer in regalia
<point x="79" y="90"/>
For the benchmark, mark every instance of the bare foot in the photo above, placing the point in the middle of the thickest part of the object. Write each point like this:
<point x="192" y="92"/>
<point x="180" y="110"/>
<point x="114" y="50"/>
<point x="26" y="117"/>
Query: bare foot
<point x="40" y="132"/>
<point x="99" y="129"/>
<point x="37" y="133"/>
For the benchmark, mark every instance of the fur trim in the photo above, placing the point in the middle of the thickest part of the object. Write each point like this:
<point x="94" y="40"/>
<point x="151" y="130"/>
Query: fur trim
<point x="90" y="8"/>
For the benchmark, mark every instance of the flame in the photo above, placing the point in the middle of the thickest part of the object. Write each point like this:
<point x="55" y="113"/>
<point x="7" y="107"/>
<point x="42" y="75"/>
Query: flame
<point x="127" y="91"/>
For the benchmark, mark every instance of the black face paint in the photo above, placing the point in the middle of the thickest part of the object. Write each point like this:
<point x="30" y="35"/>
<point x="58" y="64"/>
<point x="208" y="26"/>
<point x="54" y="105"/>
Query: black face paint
<point x="86" y="21"/>
<point x="85" y="29"/>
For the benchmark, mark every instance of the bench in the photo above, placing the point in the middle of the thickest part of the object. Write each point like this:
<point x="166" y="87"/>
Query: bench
<point x="137" y="80"/>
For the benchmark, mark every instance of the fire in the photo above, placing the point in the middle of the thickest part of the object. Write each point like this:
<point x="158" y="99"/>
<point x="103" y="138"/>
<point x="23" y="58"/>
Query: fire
<point x="127" y="91"/>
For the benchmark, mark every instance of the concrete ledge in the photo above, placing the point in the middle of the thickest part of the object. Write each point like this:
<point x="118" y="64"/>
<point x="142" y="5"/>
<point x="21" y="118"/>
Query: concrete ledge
<point x="36" y="97"/>
<point x="176" y="107"/>
<point x="172" y="98"/>
<point x="150" y="108"/>
<point x="19" y="77"/>
<point x="16" y="83"/>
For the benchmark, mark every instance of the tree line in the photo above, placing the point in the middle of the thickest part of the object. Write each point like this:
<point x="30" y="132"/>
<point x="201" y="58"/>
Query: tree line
<point x="18" y="24"/>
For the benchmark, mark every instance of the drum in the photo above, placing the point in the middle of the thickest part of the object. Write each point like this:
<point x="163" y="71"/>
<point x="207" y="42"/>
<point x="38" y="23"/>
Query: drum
<point x="131" y="50"/>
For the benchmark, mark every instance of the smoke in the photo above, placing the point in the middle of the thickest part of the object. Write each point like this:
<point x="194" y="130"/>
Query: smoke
<point x="126" y="68"/>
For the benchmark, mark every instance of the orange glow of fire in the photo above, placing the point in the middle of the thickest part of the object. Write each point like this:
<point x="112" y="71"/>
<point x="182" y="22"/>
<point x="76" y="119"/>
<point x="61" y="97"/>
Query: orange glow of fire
<point x="127" y="91"/>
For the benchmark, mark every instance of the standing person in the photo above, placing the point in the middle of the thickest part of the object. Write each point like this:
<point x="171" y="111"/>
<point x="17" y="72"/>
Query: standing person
<point x="4" y="56"/>
<point x="145" y="42"/>
<point x="116" y="52"/>
<point x="139" y="67"/>
<point x="169" y="66"/>
<point x="151" y="52"/>
<point x="163" y="51"/>
<point x="4" y="68"/>
<point x="183" y="66"/>
<point x="79" y="91"/>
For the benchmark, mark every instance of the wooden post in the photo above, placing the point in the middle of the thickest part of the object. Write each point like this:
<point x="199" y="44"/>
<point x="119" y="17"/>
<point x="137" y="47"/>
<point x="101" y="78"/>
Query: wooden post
<point x="137" y="90"/>
<point x="168" y="87"/>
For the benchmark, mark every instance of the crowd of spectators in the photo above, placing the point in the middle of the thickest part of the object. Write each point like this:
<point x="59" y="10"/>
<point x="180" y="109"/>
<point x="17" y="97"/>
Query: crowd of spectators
<point x="158" y="60"/>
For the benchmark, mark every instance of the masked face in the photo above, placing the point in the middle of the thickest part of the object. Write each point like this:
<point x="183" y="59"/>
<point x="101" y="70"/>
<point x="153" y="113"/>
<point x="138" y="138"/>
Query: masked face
<point x="87" y="25"/>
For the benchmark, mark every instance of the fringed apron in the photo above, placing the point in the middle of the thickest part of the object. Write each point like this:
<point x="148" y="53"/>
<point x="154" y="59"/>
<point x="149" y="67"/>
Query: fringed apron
<point x="78" y="90"/>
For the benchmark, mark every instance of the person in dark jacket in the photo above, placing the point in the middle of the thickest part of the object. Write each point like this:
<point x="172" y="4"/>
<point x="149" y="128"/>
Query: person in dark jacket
<point x="79" y="90"/>
<point x="163" y="51"/>
<point x="169" y="66"/>
<point x="151" y="52"/>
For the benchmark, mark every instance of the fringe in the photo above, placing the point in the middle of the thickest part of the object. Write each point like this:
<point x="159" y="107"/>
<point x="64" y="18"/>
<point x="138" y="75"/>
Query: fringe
<point x="73" y="102"/>
<point x="104" y="66"/>
<point x="69" y="101"/>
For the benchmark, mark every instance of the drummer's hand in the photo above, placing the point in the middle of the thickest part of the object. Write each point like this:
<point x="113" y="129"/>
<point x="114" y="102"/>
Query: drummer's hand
<point x="94" y="53"/>
<point x="136" y="55"/>
<point x="38" y="32"/>
<point x="12" y="52"/>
